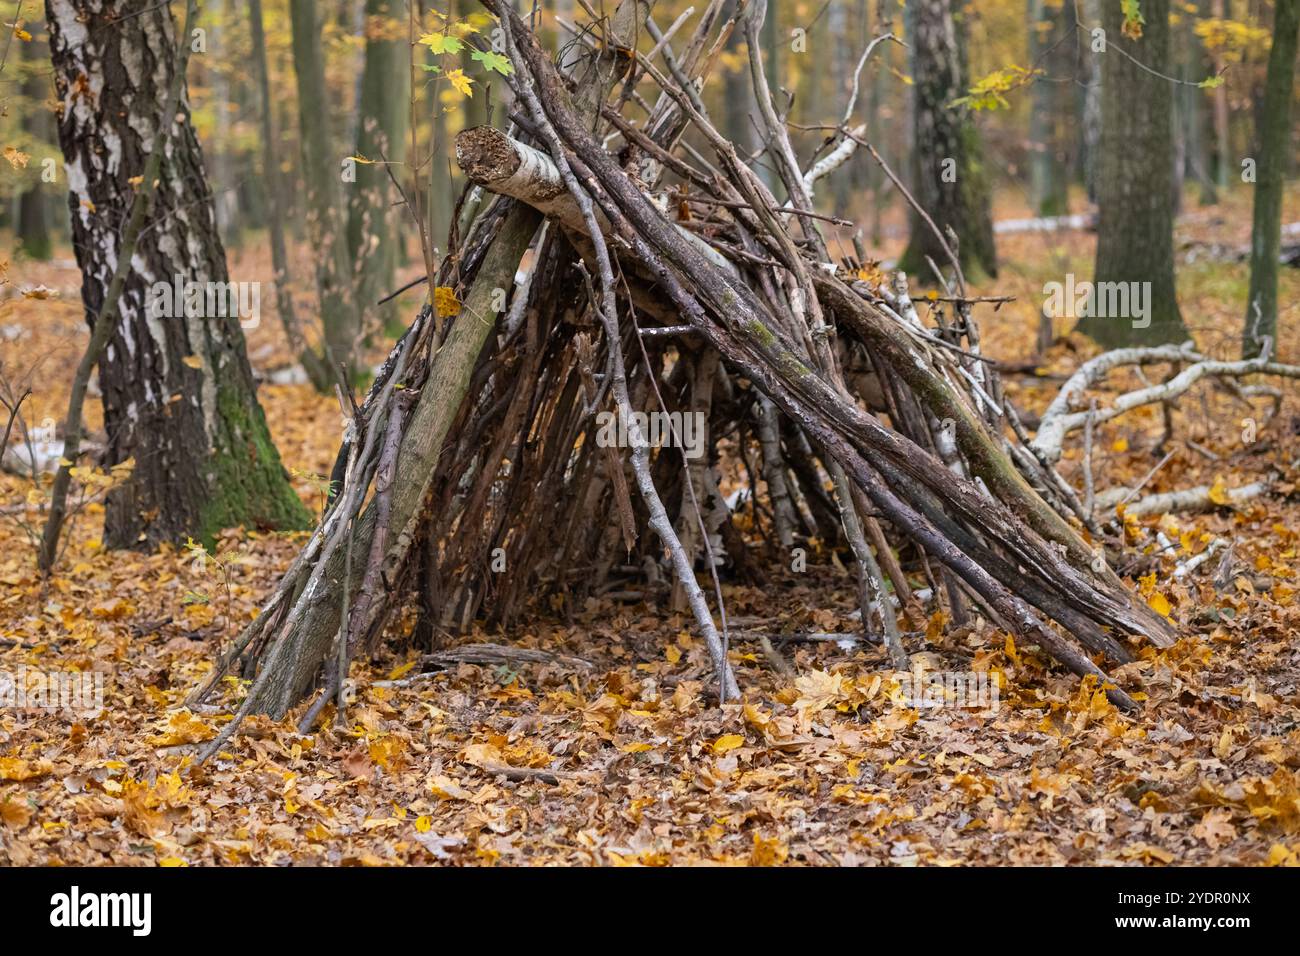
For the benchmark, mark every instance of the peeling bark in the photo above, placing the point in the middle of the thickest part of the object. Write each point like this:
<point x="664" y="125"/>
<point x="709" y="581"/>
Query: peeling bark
<point x="178" y="393"/>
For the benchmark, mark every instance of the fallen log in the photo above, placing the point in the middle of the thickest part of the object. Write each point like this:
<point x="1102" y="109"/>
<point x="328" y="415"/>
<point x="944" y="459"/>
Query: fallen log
<point x="1186" y="500"/>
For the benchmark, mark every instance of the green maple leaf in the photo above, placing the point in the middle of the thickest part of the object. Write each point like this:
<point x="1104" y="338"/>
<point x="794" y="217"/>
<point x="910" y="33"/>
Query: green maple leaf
<point x="493" y="61"/>
<point x="442" y="42"/>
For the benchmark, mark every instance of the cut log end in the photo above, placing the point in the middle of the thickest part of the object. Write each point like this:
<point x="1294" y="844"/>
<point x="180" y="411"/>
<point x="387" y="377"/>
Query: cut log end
<point x="486" y="155"/>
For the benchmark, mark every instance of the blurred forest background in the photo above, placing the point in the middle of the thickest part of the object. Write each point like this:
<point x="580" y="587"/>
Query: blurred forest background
<point x="1036" y="108"/>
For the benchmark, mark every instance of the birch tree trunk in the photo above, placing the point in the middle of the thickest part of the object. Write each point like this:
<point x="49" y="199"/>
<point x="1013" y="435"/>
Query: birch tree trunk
<point x="178" y="393"/>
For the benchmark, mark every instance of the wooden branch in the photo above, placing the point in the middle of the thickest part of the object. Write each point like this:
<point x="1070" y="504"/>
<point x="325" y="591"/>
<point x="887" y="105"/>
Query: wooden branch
<point x="1059" y="421"/>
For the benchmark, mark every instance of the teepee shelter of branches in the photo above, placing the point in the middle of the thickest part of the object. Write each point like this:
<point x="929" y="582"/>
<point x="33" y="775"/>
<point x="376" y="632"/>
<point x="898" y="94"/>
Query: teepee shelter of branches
<point x="666" y="277"/>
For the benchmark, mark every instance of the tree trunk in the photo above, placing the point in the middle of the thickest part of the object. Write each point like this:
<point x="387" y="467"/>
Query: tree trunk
<point x="1135" y="240"/>
<point x="373" y="227"/>
<point x="1196" y="106"/>
<point x="949" y="179"/>
<point x="1178" y="161"/>
<point x="877" y="23"/>
<point x="1047" y="171"/>
<point x="1274" y="135"/>
<point x="312" y="363"/>
<point x="1089" y="100"/>
<point x="843" y="60"/>
<point x="222" y="168"/>
<point x="178" y="393"/>
<point x="33" y="226"/>
<point x="736" y="99"/>
<point x="1223" y="158"/>
<point x="323" y="169"/>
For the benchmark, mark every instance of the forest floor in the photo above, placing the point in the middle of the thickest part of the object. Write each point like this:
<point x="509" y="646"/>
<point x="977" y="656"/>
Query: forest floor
<point x="627" y="761"/>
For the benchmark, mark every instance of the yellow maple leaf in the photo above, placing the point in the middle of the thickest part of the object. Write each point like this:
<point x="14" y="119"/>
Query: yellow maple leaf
<point x="401" y="671"/>
<point x="818" y="690"/>
<point x="728" y="742"/>
<point x="14" y="813"/>
<point x="1281" y="855"/>
<point x="1160" y="604"/>
<point x="1009" y="648"/>
<point x="460" y="81"/>
<point x="200" y="614"/>
<point x="482" y="755"/>
<point x="1219" y="491"/>
<point x="441" y="43"/>
<point x="768" y="852"/>
<point x="389" y="752"/>
<point x="1147" y="584"/>
<point x="116" y="611"/>
<point x="183" y="728"/>
<point x="1274" y="800"/>
<point x="14" y="768"/>
<point x="755" y="717"/>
